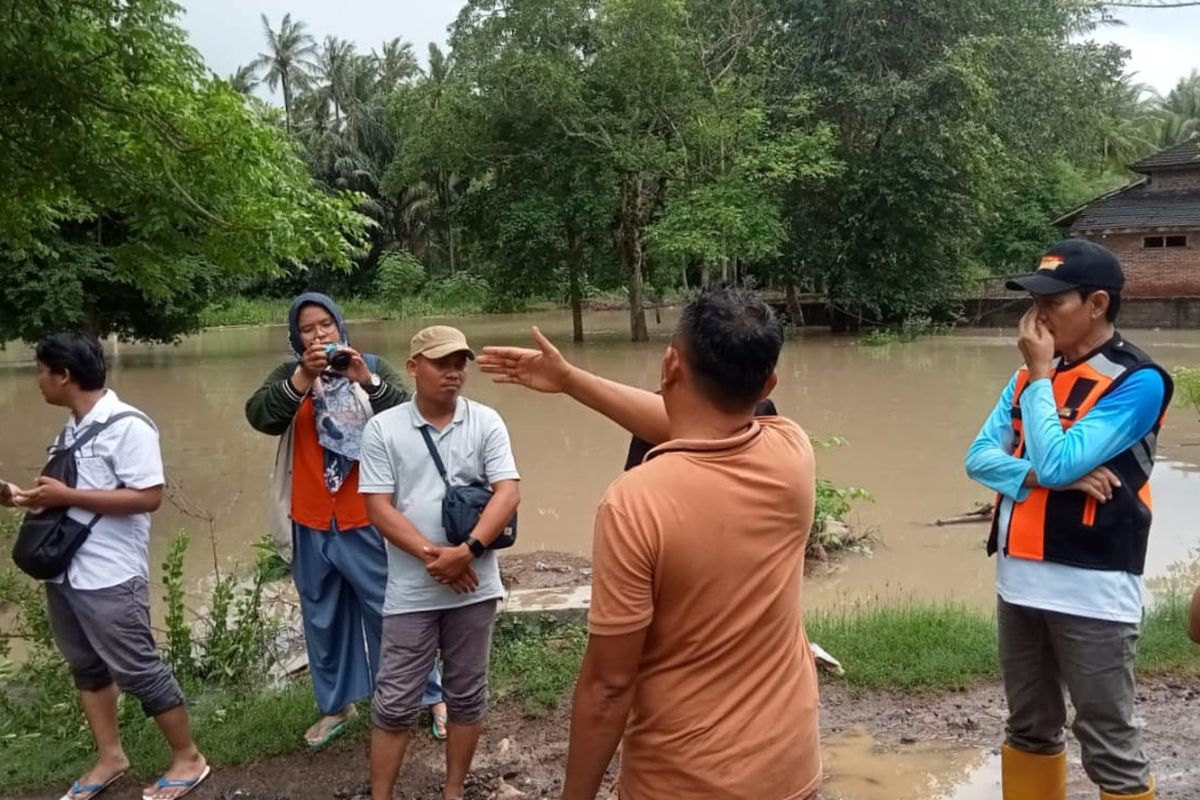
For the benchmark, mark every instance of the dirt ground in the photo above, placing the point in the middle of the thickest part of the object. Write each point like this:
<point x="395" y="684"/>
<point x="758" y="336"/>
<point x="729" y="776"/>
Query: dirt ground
<point x="526" y="756"/>
<point x="544" y="570"/>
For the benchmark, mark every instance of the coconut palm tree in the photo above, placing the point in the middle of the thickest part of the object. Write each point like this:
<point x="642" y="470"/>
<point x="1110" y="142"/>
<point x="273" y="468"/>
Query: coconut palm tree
<point x="396" y="63"/>
<point x="1180" y="111"/>
<point x="244" y="80"/>
<point x="1132" y="123"/>
<point x="288" y="62"/>
<point x="333" y="73"/>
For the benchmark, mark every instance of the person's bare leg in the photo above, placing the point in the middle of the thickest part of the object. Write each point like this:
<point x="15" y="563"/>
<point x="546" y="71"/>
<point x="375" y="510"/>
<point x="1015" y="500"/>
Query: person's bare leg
<point x="186" y="761"/>
<point x="100" y="709"/>
<point x="387" y="756"/>
<point x="460" y="750"/>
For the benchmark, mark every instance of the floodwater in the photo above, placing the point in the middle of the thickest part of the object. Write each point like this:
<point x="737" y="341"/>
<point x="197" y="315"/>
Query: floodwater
<point x="907" y="413"/>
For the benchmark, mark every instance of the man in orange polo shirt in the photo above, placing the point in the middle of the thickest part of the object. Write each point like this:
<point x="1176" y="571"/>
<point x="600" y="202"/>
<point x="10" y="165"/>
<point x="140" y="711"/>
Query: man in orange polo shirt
<point x="319" y="402"/>
<point x="696" y="622"/>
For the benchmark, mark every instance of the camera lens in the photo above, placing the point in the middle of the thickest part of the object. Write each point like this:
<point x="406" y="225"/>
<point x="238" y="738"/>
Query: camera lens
<point x="339" y="360"/>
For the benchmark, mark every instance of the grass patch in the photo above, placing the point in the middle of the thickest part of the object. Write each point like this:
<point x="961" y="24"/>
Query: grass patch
<point x="535" y="661"/>
<point x="231" y="728"/>
<point x="1165" y="648"/>
<point x="935" y="648"/>
<point x="239" y="310"/>
<point x="909" y="648"/>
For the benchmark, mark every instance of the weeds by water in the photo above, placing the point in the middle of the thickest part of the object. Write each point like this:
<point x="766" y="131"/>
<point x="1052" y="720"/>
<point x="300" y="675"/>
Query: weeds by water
<point x="912" y="329"/>
<point x="1187" y="386"/>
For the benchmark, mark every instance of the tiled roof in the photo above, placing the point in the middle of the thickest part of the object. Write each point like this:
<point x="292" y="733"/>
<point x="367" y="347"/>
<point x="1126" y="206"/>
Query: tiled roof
<point x="1139" y="209"/>
<point x="1181" y="155"/>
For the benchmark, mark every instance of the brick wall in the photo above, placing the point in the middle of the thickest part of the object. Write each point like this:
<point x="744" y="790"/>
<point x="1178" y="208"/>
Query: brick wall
<point x="1136" y="312"/>
<point x="1157" y="272"/>
<point x="1187" y="181"/>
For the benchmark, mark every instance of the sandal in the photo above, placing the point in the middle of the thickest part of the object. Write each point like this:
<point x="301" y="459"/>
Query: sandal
<point x="331" y="730"/>
<point x="186" y="785"/>
<point x="91" y="790"/>
<point x="439" y="726"/>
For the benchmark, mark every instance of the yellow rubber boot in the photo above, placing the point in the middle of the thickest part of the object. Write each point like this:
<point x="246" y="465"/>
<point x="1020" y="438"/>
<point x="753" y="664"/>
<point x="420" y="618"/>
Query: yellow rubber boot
<point x="1146" y="795"/>
<point x="1028" y="776"/>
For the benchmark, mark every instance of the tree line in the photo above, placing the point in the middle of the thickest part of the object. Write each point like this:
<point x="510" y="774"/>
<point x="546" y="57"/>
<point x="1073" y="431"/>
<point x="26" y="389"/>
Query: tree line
<point x="883" y="154"/>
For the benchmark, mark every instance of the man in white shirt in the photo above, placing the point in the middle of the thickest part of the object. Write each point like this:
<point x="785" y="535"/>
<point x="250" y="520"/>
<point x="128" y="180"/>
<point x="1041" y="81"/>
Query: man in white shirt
<point x="439" y="595"/>
<point x="99" y="608"/>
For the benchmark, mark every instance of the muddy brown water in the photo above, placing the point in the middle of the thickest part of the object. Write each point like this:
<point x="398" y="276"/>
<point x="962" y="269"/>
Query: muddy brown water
<point x="907" y="413"/>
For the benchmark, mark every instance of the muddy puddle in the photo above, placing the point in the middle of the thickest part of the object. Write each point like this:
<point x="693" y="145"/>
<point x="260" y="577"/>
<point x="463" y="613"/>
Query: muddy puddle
<point x="860" y="767"/>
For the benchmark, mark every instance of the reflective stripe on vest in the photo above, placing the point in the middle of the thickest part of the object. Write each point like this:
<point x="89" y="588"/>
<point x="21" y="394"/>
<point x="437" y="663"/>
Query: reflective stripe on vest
<point x="1070" y="527"/>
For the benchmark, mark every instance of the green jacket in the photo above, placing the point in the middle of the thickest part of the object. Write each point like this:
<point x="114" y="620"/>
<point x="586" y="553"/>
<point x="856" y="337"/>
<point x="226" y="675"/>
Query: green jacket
<point x="273" y="406"/>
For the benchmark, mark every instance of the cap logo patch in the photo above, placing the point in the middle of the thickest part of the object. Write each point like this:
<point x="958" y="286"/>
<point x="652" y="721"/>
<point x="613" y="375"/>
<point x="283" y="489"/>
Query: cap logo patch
<point x="1051" y="263"/>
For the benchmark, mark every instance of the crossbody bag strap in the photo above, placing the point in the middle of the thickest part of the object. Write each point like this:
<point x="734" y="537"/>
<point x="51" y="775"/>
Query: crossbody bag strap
<point x="97" y="427"/>
<point x="437" y="459"/>
<point x="95" y="430"/>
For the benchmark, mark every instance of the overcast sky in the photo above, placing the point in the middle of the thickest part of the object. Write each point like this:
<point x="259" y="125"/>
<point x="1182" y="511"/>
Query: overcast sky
<point x="228" y="32"/>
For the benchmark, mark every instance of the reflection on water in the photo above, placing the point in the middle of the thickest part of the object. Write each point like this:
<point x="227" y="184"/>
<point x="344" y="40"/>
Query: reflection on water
<point x="908" y="412"/>
<point x="857" y="767"/>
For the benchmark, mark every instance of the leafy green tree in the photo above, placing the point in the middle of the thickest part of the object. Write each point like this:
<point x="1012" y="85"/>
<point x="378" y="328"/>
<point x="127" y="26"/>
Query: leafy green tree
<point x="137" y="185"/>
<point x="941" y="109"/>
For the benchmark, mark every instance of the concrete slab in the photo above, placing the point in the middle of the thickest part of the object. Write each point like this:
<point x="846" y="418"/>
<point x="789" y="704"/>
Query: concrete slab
<point x="568" y="603"/>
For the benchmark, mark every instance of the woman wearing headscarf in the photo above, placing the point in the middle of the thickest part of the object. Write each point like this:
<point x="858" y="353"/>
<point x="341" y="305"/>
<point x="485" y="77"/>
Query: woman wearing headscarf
<point x="318" y="402"/>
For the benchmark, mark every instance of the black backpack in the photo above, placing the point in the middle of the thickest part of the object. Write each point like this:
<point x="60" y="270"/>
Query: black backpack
<point x="48" y="541"/>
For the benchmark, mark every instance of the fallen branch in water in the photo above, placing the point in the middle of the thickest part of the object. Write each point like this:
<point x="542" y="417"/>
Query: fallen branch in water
<point x="982" y="513"/>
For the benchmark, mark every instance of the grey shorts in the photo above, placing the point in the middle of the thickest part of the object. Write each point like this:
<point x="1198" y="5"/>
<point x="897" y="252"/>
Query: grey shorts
<point x="410" y="647"/>
<point x="104" y="636"/>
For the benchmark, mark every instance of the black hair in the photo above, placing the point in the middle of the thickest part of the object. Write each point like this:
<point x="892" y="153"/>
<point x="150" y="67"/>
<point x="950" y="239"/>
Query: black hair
<point x="76" y="354"/>
<point x="1114" y="301"/>
<point x="731" y="340"/>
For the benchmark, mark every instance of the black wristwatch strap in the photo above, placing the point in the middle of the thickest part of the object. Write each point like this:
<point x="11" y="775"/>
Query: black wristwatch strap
<point x="476" y="546"/>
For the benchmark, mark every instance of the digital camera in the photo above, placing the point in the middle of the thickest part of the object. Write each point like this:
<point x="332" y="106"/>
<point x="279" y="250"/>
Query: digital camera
<point x="338" y="356"/>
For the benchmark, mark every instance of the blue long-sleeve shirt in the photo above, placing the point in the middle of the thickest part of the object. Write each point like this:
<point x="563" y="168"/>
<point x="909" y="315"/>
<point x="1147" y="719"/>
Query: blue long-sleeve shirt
<point x="1059" y="458"/>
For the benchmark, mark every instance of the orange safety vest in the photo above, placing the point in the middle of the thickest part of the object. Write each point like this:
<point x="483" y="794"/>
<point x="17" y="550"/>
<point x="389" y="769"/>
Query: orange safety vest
<point x="1071" y="527"/>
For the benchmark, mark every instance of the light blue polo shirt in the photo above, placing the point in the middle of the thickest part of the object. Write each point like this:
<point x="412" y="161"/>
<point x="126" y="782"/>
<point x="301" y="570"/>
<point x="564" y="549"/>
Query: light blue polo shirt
<point x="395" y="460"/>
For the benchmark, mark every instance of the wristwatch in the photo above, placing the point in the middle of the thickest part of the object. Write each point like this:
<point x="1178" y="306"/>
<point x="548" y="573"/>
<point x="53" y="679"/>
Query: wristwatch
<point x="476" y="546"/>
<point x="374" y="383"/>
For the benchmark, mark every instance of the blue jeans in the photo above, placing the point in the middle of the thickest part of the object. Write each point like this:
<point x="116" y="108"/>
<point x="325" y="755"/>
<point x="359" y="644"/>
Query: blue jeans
<point x="341" y="577"/>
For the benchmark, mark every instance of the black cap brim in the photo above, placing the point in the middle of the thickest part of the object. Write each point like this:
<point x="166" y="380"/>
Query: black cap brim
<point x="1040" y="284"/>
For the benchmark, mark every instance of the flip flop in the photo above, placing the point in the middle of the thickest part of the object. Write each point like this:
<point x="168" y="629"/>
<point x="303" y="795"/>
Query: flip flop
<point x="332" y="731"/>
<point x="186" y="785"/>
<point x="92" y="789"/>
<point x="439" y="719"/>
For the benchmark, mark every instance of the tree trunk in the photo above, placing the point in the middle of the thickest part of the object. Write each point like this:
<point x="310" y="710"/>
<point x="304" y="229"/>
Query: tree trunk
<point x="637" y="311"/>
<point x="705" y="275"/>
<point x="795" y="312"/>
<point x="627" y="237"/>
<point x="574" y="270"/>
<point x="287" y="104"/>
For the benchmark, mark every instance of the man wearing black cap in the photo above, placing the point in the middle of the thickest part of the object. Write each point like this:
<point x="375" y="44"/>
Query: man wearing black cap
<point x="1069" y="449"/>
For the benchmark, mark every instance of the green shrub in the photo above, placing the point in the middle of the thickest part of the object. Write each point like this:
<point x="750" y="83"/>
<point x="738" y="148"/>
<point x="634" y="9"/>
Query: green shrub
<point x="400" y="277"/>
